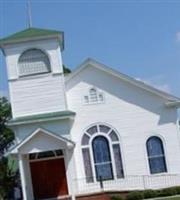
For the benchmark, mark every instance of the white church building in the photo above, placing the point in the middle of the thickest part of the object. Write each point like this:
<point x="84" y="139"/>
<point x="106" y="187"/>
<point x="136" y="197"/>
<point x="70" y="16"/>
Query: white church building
<point x="91" y="130"/>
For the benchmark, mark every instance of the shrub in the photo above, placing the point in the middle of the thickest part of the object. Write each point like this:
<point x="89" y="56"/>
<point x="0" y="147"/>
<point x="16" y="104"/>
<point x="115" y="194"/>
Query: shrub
<point x="150" y="194"/>
<point x="177" y="189"/>
<point x="116" y="198"/>
<point x="136" y="195"/>
<point x="167" y="192"/>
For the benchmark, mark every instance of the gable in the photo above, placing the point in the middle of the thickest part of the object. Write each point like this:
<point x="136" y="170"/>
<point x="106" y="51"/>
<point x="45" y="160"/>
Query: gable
<point x="124" y="103"/>
<point x="135" y="84"/>
<point x="41" y="142"/>
<point x="113" y="88"/>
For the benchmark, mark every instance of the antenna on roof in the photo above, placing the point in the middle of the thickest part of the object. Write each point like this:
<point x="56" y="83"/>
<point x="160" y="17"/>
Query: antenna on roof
<point x="29" y="14"/>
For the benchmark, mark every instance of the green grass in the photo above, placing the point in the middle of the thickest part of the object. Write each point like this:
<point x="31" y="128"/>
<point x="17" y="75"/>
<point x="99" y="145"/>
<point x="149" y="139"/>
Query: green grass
<point x="170" y="198"/>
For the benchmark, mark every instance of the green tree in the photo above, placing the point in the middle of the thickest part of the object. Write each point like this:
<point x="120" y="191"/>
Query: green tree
<point x="7" y="174"/>
<point x="66" y="70"/>
<point x="6" y="135"/>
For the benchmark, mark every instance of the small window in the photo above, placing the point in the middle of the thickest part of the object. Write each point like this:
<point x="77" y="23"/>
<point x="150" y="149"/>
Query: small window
<point x="45" y="154"/>
<point x="93" y="97"/>
<point x="104" y="128"/>
<point x="156" y="156"/>
<point x="92" y="130"/>
<point x="85" y="140"/>
<point x="86" y="99"/>
<point x="33" y="61"/>
<point x="101" y="98"/>
<point x="113" y="136"/>
<point x="59" y="152"/>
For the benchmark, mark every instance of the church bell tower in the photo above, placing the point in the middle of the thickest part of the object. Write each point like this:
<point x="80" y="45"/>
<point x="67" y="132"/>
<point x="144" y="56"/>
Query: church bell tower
<point x="35" y="71"/>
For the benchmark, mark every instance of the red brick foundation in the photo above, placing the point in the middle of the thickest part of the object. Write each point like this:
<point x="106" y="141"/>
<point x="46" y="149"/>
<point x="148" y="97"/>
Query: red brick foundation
<point x="102" y="195"/>
<point x="98" y="196"/>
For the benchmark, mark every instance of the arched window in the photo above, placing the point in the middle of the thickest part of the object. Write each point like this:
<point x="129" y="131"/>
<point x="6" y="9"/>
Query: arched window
<point x="156" y="156"/>
<point x="33" y="61"/>
<point x="101" y="153"/>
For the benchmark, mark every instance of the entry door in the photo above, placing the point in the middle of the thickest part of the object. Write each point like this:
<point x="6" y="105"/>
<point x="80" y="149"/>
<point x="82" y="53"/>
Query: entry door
<point x="49" y="178"/>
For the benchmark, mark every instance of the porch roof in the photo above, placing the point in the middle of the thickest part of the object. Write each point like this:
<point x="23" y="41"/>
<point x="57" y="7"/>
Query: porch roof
<point x="41" y="117"/>
<point x="41" y="140"/>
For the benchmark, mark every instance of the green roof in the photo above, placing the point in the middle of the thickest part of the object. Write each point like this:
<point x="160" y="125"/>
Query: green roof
<point x="41" y="117"/>
<point x="31" y="34"/>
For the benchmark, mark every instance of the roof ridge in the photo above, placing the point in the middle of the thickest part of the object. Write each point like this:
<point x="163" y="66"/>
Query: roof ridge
<point x="126" y="77"/>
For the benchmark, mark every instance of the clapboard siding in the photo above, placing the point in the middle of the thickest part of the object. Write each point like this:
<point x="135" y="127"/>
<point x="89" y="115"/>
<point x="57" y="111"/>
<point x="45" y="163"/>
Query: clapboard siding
<point x="38" y="95"/>
<point x="135" y="113"/>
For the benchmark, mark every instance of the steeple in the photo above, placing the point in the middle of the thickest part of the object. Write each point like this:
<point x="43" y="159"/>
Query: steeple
<point x="35" y="71"/>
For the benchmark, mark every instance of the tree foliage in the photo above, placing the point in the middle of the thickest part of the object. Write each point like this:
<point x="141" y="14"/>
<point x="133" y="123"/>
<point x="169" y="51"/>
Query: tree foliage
<point x="7" y="174"/>
<point x="6" y="135"/>
<point x="66" y="70"/>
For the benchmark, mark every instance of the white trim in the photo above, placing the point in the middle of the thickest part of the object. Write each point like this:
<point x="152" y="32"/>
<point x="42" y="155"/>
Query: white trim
<point x="47" y="158"/>
<point x="43" y="159"/>
<point x="38" y="120"/>
<point x="69" y="143"/>
<point x="170" y="104"/>
<point x="23" y="176"/>
<point x="16" y="41"/>
<point x="124" y="77"/>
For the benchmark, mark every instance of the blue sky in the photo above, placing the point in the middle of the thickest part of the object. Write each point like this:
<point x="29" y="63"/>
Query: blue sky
<point x="138" y="38"/>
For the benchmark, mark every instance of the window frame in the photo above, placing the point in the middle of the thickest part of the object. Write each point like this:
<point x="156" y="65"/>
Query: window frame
<point x="111" y="143"/>
<point x="88" y="96"/>
<point x="55" y="156"/>
<point x="164" y="155"/>
<point x="34" y="74"/>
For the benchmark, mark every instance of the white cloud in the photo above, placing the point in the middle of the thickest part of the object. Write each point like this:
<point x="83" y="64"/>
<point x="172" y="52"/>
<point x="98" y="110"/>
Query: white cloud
<point x="157" y="82"/>
<point x="178" y="36"/>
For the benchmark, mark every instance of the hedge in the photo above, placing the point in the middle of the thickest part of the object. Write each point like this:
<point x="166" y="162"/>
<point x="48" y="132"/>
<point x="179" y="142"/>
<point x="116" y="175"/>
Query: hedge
<point x="145" y="194"/>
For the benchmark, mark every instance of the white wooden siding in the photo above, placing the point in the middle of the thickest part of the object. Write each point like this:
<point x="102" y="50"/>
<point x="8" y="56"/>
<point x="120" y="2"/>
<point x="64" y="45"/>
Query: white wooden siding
<point x="135" y="113"/>
<point x="40" y="94"/>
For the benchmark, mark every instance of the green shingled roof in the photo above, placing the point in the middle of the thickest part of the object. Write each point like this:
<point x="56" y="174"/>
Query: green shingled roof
<point x="31" y="33"/>
<point x="41" y="117"/>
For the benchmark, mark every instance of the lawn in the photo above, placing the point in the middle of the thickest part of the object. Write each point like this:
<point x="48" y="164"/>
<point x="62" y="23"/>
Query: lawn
<point x="170" y="198"/>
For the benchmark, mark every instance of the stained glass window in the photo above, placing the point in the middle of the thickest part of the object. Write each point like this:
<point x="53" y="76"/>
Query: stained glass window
<point x="156" y="156"/>
<point x="104" y="128"/>
<point x="87" y="165"/>
<point x="92" y="130"/>
<point x="85" y="140"/>
<point x="118" y="161"/>
<point x="97" y="156"/>
<point x="102" y="158"/>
